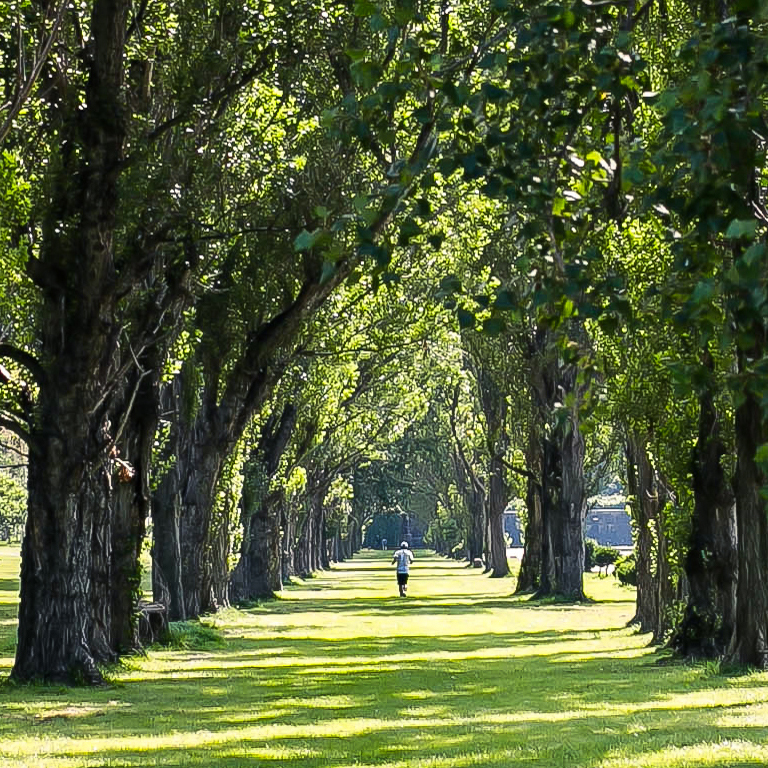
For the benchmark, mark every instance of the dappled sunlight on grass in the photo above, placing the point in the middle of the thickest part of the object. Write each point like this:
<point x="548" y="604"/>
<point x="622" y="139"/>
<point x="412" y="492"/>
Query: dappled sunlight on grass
<point x="341" y="672"/>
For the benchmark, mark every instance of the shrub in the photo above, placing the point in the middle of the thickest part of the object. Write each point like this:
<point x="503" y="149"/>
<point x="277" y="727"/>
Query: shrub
<point x="192" y="636"/>
<point x="605" y="556"/>
<point x="626" y="571"/>
<point x="589" y="554"/>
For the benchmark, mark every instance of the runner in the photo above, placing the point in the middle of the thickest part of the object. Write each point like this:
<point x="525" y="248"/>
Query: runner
<point x="404" y="558"/>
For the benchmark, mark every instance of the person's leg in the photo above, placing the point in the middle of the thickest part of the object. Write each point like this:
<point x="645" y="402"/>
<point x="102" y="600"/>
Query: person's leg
<point x="405" y="583"/>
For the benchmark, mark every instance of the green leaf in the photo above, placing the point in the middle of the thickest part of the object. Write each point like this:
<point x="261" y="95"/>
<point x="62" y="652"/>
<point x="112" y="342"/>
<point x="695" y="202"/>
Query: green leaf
<point x="466" y="319"/>
<point x="422" y="115"/>
<point x="328" y="271"/>
<point x="356" y="54"/>
<point x="753" y="254"/>
<point x="408" y="229"/>
<point x="365" y="8"/>
<point x="436" y="240"/>
<point x="493" y="92"/>
<point x="761" y="456"/>
<point x="306" y="240"/>
<point x="493" y="326"/>
<point x="609" y="324"/>
<point x="741" y="228"/>
<point x="504" y="300"/>
<point x="450" y="284"/>
<point x="365" y="73"/>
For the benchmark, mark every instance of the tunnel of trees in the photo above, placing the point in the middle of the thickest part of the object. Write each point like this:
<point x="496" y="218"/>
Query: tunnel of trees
<point x="271" y="271"/>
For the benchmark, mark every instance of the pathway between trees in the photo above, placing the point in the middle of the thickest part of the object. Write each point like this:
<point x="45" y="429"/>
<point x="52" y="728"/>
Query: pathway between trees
<point x="342" y="672"/>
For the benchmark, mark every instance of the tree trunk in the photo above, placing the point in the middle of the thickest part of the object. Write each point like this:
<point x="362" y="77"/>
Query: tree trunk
<point x="567" y="537"/>
<point x="711" y="564"/>
<point x="497" y="503"/>
<point x="563" y="503"/>
<point x="473" y="495"/>
<point x="664" y="578"/>
<point x="494" y="406"/>
<point x="258" y="573"/>
<point x="749" y="643"/>
<point x="288" y="544"/>
<point x="62" y="634"/>
<point x="303" y="545"/>
<point x="647" y="499"/>
<point x="167" y="587"/>
<point x="132" y="503"/>
<point x="65" y="616"/>
<point x="529" y="578"/>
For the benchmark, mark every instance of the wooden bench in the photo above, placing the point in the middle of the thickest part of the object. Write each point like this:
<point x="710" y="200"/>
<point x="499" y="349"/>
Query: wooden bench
<point x="152" y="626"/>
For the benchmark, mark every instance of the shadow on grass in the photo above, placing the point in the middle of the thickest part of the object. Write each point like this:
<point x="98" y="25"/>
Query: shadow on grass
<point x="578" y="697"/>
<point x="339" y="710"/>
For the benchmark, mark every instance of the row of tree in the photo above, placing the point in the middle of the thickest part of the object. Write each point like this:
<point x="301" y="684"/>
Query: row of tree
<point x="235" y="243"/>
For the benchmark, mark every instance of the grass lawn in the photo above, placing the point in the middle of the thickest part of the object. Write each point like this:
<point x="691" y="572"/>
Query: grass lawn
<point x="341" y="672"/>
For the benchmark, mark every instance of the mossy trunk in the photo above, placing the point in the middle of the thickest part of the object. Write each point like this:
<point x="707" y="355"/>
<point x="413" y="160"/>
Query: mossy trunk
<point x="529" y="577"/>
<point x="711" y="564"/>
<point x="647" y="498"/>
<point x="749" y="644"/>
<point x="65" y="611"/>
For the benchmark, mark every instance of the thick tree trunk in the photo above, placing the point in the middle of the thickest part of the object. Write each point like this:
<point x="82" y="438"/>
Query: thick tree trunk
<point x="749" y="644"/>
<point x="288" y="545"/>
<point x="667" y="593"/>
<point x="569" y="559"/>
<point x="63" y="630"/>
<point x="65" y="616"/>
<point x="473" y="495"/>
<point x="497" y="503"/>
<point x="711" y="565"/>
<point x="529" y="578"/>
<point x="167" y="587"/>
<point x="302" y="557"/>
<point x="131" y="504"/>
<point x="203" y="466"/>
<point x="258" y="573"/>
<point x="647" y="500"/>
<point x="182" y="511"/>
<point x="494" y="406"/>
<point x="563" y="503"/>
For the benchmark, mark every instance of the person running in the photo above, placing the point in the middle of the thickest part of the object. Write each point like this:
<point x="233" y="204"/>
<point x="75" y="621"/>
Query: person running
<point x="403" y="557"/>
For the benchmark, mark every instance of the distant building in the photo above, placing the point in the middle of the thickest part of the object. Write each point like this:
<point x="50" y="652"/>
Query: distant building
<point x="609" y="526"/>
<point x="512" y="528"/>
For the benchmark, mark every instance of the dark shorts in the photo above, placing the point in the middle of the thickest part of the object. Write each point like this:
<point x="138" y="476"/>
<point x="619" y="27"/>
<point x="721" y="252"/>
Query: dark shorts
<point x="402" y="578"/>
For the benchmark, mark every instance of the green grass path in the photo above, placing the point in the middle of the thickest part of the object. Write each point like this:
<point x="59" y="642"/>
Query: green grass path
<point x="341" y="672"/>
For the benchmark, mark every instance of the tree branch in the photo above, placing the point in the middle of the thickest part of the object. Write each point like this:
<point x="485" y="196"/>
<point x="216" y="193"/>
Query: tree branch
<point x="26" y="360"/>
<point x="478" y="486"/>
<point x="42" y="57"/>
<point x="16" y="428"/>
<point x="520" y="471"/>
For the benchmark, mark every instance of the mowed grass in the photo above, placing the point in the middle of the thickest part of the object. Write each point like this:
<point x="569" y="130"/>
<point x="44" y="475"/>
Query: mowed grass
<point x="342" y="673"/>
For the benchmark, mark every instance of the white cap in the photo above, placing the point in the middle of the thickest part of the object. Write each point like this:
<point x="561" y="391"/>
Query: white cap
<point x="404" y="544"/>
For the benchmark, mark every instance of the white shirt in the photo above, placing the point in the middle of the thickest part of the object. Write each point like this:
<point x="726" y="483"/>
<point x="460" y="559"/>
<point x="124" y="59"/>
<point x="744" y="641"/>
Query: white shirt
<point x="404" y="559"/>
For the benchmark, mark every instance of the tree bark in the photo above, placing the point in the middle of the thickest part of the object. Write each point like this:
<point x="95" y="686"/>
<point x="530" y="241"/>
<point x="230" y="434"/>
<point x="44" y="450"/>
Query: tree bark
<point x="647" y="499"/>
<point x="563" y="503"/>
<point x="65" y="621"/>
<point x="529" y="578"/>
<point x="132" y="501"/>
<point x="711" y="564"/>
<point x="497" y="503"/>
<point x="749" y="644"/>
<point x="258" y="572"/>
<point x="494" y="406"/>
